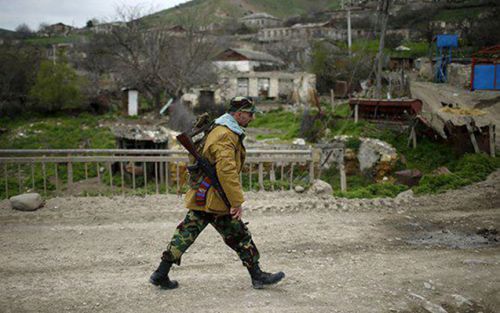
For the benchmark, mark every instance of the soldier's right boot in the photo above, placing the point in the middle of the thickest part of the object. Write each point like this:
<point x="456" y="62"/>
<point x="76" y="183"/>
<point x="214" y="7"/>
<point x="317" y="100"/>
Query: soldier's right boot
<point x="260" y="278"/>
<point x="160" y="276"/>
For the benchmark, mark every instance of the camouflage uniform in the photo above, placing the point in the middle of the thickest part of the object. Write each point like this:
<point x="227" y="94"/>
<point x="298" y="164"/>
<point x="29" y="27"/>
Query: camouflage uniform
<point x="234" y="232"/>
<point x="223" y="148"/>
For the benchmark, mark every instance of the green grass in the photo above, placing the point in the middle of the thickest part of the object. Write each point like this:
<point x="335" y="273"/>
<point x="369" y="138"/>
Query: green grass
<point x="45" y="41"/>
<point x="469" y="169"/>
<point x="206" y="10"/>
<point x="58" y="132"/>
<point x="286" y="123"/>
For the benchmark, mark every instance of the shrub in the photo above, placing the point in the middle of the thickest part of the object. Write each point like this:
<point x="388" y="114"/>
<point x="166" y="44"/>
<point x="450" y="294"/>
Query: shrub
<point x="56" y="87"/>
<point x="469" y="169"/>
<point x="374" y="191"/>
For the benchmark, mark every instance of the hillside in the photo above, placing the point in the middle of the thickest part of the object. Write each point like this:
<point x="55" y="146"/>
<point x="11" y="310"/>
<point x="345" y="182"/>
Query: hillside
<point x="217" y="10"/>
<point x="5" y="33"/>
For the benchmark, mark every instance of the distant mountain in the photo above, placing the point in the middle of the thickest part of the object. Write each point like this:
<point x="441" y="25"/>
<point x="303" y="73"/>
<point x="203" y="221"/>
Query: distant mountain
<point x="209" y="11"/>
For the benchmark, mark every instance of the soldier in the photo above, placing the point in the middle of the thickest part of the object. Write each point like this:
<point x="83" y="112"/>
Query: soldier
<point x="224" y="149"/>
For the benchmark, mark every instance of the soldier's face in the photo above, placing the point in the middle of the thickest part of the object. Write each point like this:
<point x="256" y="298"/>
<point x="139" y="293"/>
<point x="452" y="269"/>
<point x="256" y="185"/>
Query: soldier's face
<point x="244" y="118"/>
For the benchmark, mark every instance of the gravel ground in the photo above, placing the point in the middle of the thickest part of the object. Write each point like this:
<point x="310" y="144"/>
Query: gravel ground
<point x="409" y="254"/>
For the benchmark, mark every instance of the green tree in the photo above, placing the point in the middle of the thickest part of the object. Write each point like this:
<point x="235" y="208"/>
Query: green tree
<point x="57" y="87"/>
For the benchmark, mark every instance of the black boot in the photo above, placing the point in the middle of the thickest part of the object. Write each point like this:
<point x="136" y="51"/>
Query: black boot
<point x="260" y="278"/>
<point x="160" y="276"/>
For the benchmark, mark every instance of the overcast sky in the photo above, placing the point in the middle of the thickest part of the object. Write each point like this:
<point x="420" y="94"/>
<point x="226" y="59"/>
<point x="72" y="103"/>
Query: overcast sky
<point x="71" y="12"/>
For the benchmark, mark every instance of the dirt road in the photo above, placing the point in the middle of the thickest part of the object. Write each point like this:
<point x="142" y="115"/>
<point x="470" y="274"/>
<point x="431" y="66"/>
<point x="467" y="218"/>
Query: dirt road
<point x="388" y="255"/>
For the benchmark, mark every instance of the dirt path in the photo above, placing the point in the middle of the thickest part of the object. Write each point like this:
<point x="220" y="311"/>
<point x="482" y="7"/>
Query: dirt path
<point x="386" y="255"/>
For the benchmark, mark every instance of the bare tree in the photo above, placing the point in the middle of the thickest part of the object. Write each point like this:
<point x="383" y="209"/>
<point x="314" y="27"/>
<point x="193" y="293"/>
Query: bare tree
<point x="384" y="17"/>
<point x="43" y="26"/>
<point x="157" y="60"/>
<point x="24" y="30"/>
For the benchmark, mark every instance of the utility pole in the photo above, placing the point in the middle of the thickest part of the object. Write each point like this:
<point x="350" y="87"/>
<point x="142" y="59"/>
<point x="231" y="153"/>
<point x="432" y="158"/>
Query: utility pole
<point x="384" y="15"/>
<point x="349" y="35"/>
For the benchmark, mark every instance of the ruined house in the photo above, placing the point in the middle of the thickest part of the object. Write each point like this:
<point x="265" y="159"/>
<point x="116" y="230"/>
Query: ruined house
<point x="303" y="32"/>
<point x="260" y="20"/>
<point x="243" y="60"/>
<point x="255" y="74"/>
<point x="58" y="29"/>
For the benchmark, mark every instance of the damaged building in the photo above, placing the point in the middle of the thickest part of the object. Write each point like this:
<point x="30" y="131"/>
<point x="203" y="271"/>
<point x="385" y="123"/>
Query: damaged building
<point x="255" y="74"/>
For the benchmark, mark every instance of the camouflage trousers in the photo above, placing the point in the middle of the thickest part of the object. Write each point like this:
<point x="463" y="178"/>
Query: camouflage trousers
<point x="234" y="232"/>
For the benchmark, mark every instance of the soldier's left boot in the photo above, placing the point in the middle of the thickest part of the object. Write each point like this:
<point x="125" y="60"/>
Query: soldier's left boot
<point x="160" y="276"/>
<point x="260" y="278"/>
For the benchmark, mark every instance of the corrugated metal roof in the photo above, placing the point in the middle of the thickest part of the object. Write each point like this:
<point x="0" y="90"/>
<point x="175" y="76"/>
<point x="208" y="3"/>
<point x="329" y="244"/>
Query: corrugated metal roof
<point x="256" y="55"/>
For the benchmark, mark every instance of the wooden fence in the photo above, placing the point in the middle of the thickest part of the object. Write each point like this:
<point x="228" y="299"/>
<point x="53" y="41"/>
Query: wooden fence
<point x="149" y="171"/>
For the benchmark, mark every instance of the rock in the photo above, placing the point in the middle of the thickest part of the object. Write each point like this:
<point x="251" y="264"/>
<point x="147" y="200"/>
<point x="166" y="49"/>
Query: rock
<point x="299" y="141"/>
<point x="26" y="202"/>
<point x="441" y="171"/>
<point x="299" y="189"/>
<point x="432" y="307"/>
<point x="409" y="178"/>
<point x="427" y="285"/>
<point x="407" y="195"/>
<point x="475" y="262"/>
<point x="320" y="187"/>
<point x="461" y="300"/>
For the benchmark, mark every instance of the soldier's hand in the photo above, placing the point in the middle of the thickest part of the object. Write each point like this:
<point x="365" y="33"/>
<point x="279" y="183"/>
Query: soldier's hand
<point x="236" y="212"/>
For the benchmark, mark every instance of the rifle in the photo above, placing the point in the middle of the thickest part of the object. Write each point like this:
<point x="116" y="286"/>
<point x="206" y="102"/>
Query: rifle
<point x="204" y="165"/>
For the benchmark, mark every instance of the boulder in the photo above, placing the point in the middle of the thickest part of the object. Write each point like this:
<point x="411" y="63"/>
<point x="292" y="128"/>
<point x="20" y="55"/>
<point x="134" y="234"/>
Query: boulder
<point x="319" y="187"/>
<point x="409" y="178"/>
<point x="441" y="171"/>
<point x="373" y="151"/>
<point x="299" y="141"/>
<point x="299" y="189"/>
<point x="351" y="162"/>
<point x="26" y="202"/>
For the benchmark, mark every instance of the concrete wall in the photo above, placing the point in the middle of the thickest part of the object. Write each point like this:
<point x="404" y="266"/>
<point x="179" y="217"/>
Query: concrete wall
<point x="302" y="83"/>
<point x="260" y="22"/>
<point x="240" y="66"/>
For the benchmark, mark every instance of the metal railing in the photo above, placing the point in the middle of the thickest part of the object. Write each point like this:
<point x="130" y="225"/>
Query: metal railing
<point x="115" y="171"/>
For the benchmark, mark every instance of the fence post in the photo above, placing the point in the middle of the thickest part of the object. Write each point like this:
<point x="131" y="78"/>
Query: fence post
<point x="122" y="174"/>
<point x="356" y="112"/>
<point x="6" y="180"/>
<point x="311" y="170"/>
<point x="145" y="175"/>
<point x="167" y="177"/>
<point x="281" y="177"/>
<point x="156" y="178"/>
<point x="19" y="182"/>
<point x="57" y="177"/>
<point x="261" y="176"/>
<point x="343" y="180"/>
<point x="272" y="176"/>
<point x="110" y="177"/>
<point x="44" y="173"/>
<point x="33" y="175"/>
<point x="70" y="172"/>
<point x="291" y="176"/>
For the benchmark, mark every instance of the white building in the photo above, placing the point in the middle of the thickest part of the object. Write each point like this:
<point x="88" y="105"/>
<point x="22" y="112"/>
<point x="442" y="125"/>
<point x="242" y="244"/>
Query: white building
<point x="260" y="20"/>
<point x="243" y="60"/>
